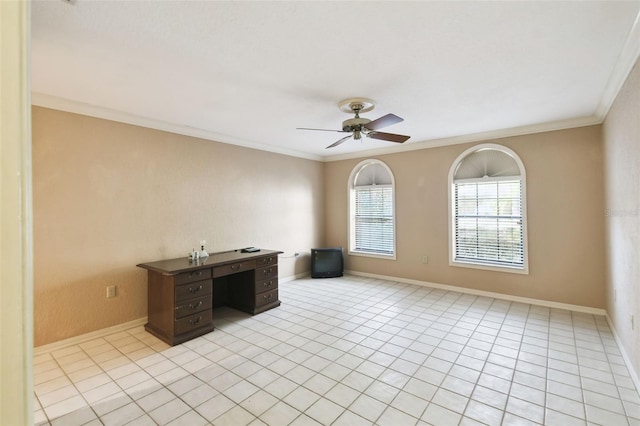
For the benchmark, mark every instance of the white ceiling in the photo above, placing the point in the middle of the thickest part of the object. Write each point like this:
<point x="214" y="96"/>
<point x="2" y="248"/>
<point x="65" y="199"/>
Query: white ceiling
<point x="249" y="73"/>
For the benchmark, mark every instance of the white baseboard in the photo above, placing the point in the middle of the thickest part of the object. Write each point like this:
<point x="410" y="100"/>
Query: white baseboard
<point x="293" y="277"/>
<point x="577" y="308"/>
<point x="627" y="360"/>
<point x="502" y="296"/>
<point x="75" y="340"/>
<point x="60" y="344"/>
<point x="141" y="321"/>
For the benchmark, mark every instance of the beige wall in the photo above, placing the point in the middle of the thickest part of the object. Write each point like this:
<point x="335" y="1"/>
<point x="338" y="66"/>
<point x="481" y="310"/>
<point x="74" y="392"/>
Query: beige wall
<point x="565" y="205"/>
<point x="108" y="196"/>
<point x="621" y="135"/>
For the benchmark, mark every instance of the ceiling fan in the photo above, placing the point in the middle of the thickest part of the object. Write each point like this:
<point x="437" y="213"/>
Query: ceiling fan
<point x="359" y="126"/>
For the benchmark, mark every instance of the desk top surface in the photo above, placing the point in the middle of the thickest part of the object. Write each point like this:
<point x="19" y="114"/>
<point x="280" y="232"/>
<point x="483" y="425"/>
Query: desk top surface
<point x="184" y="264"/>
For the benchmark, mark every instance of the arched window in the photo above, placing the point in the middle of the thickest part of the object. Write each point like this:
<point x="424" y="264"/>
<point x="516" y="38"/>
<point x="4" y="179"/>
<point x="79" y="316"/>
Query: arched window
<point x="372" y="210"/>
<point x="488" y="226"/>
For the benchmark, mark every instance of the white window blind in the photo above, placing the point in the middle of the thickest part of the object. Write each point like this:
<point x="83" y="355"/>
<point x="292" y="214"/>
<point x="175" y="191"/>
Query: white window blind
<point x="374" y="219"/>
<point x="488" y="222"/>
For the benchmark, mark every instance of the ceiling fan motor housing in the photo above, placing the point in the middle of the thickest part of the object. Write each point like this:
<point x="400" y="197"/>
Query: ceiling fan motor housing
<point x="354" y="124"/>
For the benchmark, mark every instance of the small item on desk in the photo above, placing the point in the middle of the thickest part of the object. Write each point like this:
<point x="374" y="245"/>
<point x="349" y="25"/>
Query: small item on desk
<point x="250" y="250"/>
<point x="194" y="255"/>
<point x="203" y="252"/>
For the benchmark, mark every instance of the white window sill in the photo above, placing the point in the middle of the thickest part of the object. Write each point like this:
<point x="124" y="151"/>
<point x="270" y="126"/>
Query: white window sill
<point x="374" y="255"/>
<point x="488" y="267"/>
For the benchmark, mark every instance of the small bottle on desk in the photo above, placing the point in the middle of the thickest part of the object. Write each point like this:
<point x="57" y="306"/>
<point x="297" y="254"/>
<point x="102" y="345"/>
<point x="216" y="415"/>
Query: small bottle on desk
<point x="203" y="252"/>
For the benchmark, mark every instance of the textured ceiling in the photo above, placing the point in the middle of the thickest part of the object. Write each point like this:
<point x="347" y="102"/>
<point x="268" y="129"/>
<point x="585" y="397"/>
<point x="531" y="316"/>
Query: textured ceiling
<point x="249" y="73"/>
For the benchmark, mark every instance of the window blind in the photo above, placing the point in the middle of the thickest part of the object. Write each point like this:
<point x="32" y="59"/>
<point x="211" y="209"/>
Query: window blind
<point x="488" y="222"/>
<point x="374" y="219"/>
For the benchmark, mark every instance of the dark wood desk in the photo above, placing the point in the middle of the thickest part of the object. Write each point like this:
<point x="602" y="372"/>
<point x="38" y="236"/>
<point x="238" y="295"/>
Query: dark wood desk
<point x="182" y="293"/>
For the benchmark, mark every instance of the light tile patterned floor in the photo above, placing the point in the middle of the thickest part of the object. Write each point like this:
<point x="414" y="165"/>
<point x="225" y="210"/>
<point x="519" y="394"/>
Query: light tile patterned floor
<point x="351" y="351"/>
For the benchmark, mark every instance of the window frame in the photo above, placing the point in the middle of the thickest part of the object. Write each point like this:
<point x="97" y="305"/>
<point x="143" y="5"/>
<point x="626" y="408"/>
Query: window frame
<point x="351" y="190"/>
<point x="479" y="264"/>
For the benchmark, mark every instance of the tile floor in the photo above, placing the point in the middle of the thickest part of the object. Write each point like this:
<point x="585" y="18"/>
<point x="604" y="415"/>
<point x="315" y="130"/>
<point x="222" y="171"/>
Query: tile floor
<point x="351" y="351"/>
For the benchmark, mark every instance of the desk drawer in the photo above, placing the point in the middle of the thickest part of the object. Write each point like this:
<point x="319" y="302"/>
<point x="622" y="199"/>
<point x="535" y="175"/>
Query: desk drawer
<point x="266" y="297"/>
<point x="193" y="322"/>
<point x="267" y="272"/>
<point x="189" y="291"/>
<point x="267" y="260"/>
<point x="233" y="268"/>
<point x="266" y="285"/>
<point x="189" y="277"/>
<point x="192" y="306"/>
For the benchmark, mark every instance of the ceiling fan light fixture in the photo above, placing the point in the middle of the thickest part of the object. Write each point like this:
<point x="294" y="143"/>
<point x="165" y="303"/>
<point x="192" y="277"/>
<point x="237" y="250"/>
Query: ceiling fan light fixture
<point x="353" y="124"/>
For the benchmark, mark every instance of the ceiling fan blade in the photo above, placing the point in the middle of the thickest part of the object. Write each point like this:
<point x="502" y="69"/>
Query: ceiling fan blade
<point x="338" y="142"/>
<point x="384" y="121"/>
<point x="321" y="130"/>
<point x="390" y="137"/>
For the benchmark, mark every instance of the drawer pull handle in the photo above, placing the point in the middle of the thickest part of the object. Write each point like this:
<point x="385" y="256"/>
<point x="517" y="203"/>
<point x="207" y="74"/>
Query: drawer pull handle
<point x="195" y="321"/>
<point x="268" y="297"/>
<point x="195" y="274"/>
<point x="236" y="267"/>
<point x="197" y="305"/>
<point x="268" y="283"/>
<point x="194" y="290"/>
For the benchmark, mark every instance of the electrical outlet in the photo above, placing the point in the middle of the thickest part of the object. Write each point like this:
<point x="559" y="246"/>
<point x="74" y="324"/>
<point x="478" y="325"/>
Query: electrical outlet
<point x="111" y="291"/>
<point x="425" y="259"/>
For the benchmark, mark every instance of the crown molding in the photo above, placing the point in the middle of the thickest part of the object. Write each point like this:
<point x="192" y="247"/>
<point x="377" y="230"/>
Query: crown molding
<point x="627" y="59"/>
<point x="67" y="105"/>
<point x="474" y="137"/>
<point x="54" y="102"/>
